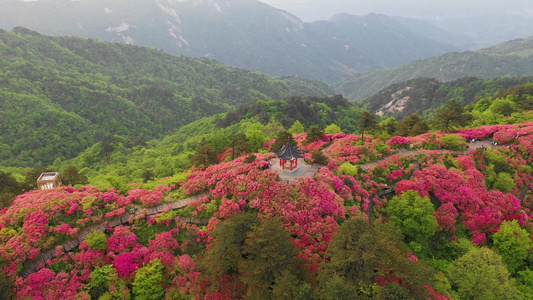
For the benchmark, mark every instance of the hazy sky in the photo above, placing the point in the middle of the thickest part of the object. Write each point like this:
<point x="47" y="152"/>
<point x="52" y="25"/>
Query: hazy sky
<point x="311" y="10"/>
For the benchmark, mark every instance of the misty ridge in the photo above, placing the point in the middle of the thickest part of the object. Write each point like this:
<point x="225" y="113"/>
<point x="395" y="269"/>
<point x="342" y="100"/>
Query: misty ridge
<point x="252" y="35"/>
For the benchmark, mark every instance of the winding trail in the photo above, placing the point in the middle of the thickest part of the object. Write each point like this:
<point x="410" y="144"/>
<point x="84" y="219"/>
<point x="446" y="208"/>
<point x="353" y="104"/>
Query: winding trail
<point x="303" y="170"/>
<point x="33" y="266"/>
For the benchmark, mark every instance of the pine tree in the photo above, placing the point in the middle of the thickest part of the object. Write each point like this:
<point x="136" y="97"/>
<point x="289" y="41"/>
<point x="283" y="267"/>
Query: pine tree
<point x="451" y="115"/>
<point x="205" y="155"/>
<point x="314" y="134"/>
<point x="366" y="122"/>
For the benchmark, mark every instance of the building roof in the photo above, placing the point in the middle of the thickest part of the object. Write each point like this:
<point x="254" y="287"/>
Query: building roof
<point x="288" y="152"/>
<point x="48" y="176"/>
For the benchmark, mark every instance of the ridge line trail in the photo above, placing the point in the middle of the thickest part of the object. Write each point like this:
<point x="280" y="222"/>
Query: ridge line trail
<point x="403" y="151"/>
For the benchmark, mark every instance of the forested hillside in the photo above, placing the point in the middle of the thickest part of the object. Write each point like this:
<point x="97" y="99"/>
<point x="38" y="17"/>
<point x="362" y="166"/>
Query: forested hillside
<point x="60" y="95"/>
<point x="512" y="58"/>
<point x="422" y="96"/>
<point x="247" y="34"/>
<point x="122" y="162"/>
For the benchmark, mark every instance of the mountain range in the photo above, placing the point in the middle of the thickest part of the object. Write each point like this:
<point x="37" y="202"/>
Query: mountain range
<point x="513" y="58"/>
<point x="244" y="33"/>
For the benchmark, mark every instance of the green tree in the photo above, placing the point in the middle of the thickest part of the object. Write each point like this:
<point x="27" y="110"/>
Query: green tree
<point x="359" y="252"/>
<point x="332" y="129"/>
<point x="97" y="240"/>
<point x="481" y="274"/>
<point x="149" y="281"/>
<point x="296" y="128"/>
<point x="314" y="134"/>
<point x="413" y="215"/>
<point x="147" y="175"/>
<point x="9" y="189"/>
<point x="269" y="257"/>
<point x="273" y="128"/>
<point x="218" y="140"/>
<point x="335" y="287"/>
<point x="256" y="136"/>
<point x="106" y="284"/>
<point x="205" y="155"/>
<point x="513" y="244"/>
<point x="524" y="280"/>
<point x="366" y="122"/>
<point x="319" y="157"/>
<point x="30" y="182"/>
<point x="72" y="176"/>
<point x="227" y="253"/>
<point x="388" y="126"/>
<point x="451" y="115"/>
<point x="239" y="144"/>
<point x="281" y="139"/>
<point x="7" y="284"/>
<point x="412" y="126"/>
<point x="504" y="182"/>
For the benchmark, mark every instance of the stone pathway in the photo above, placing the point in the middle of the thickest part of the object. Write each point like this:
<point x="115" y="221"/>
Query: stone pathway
<point x="304" y="170"/>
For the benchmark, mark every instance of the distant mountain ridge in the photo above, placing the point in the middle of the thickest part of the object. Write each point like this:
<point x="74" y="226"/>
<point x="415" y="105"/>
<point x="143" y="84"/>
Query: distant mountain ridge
<point x="243" y="33"/>
<point x="422" y="96"/>
<point x="513" y="58"/>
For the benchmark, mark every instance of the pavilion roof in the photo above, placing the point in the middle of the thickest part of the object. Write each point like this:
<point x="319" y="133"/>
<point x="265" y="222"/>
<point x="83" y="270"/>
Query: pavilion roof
<point x="288" y="152"/>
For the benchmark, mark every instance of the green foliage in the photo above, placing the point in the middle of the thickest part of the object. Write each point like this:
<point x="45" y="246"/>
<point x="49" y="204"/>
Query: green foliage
<point x="481" y="274"/>
<point x="525" y="283"/>
<point x="453" y="142"/>
<point x="72" y="176"/>
<point x="388" y="126"/>
<point x="7" y="284"/>
<point x="254" y="134"/>
<point x="356" y="256"/>
<point x="450" y="116"/>
<point x="250" y="159"/>
<point x="413" y="215"/>
<point x="513" y="58"/>
<point x="282" y="139"/>
<point x="314" y="134"/>
<point x="513" y="244"/>
<point x="332" y="129"/>
<point x="225" y="255"/>
<point x="106" y="284"/>
<point x="270" y="258"/>
<point x="97" y="240"/>
<point x="273" y="128"/>
<point x="9" y="189"/>
<point x="319" y="158"/>
<point x="205" y="155"/>
<point x="64" y="94"/>
<point x="412" y="126"/>
<point x="367" y="122"/>
<point x="239" y="144"/>
<point x="309" y="111"/>
<point x="148" y="282"/>
<point x="336" y="287"/>
<point x="504" y="182"/>
<point x="393" y="291"/>
<point x="218" y="140"/>
<point x="296" y="128"/>
<point x="348" y="169"/>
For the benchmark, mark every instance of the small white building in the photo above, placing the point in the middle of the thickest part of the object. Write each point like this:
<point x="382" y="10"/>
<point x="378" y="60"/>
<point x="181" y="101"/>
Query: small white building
<point x="48" y="180"/>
